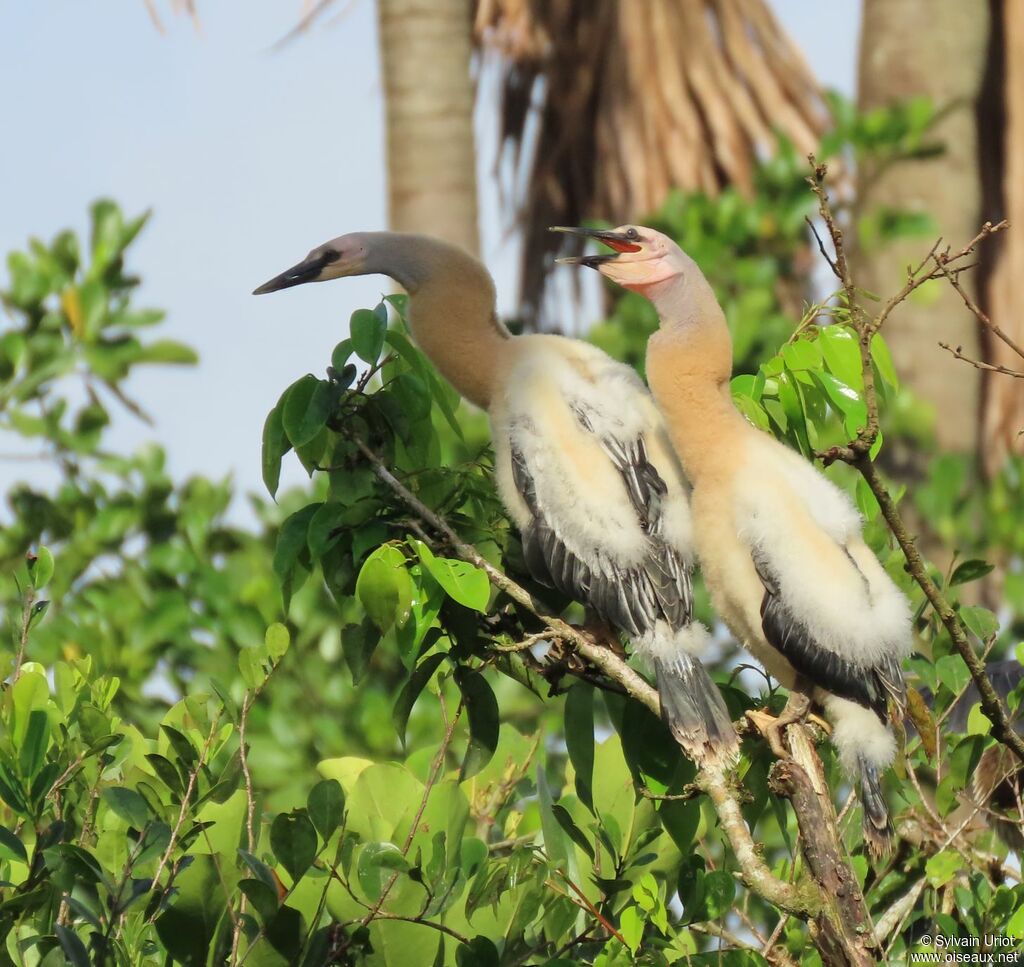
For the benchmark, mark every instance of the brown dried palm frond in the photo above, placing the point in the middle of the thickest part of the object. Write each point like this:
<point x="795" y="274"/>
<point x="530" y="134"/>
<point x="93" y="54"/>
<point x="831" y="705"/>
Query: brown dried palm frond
<point x="618" y="101"/>
<point x="177" y="6"/>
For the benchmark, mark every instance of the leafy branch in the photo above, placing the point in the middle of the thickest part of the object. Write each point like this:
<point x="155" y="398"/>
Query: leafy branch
<point x="935" y="265"/>
<point x="711" y="780"/>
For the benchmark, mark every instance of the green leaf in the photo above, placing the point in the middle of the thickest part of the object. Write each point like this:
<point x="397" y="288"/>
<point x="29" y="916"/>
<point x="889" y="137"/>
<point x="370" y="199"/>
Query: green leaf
<point x="307" y="405"/>
<point x="1015" y="925"/>
<point x="980" y="620"/>
<point x="384" y="588"/>
<point x="275" y="446"/>
<point x="719" y="892"/>
<point x="482" y="710"/>
<point x="579" y="739"/>
<point x="422" y="674"/>
<point x="183" y="748"/>
<point x="340" y="355"/>
<point x="366" y="331"/>
<point x="843" y="397"/>
<point x="168" y="351"/>
<point x="789" y="397"/>
<point x="37" y="612"/>
<point x="326" y="807"/>
<point x="378" y="862"/>
<point x="128" y="805"/>
<point x="565" y="820"/>
<point x="252" y="666"/>
<point x="40" y="567"/>
<point x="33" y="747"/>
<point x="30" y="692"/>
<point x="327" y="526"/>
<point x="264" y="898"/>
<point x="260" y="870"/>
<point x="293" y="840"/>
<point x="166" y="772"/>
<point x="970" y="570"/>
<point x="188" y="928"/>
<point x="883" y="361"/>
<point x="291" y="554"/>
<point x="978" y="723"/>
<point x="842" y="354"/>
<point x="277" y="639"/>
<point x="680" y="819"/>
<point x="942" y="867"/>
<point x="358" y="643"/>
<point x="802" y="355"/>
<point x="631" y="926"/>
<point x="11" y="848"/>
<point x="72" y="945"/>
<point x="464" y="583"/>
<point x="554" y="840"/>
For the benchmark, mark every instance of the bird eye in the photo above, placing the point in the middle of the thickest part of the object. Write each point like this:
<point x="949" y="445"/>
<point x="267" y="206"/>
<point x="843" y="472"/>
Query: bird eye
<point x="632" y="233"/>
<point x="331" y="255"/>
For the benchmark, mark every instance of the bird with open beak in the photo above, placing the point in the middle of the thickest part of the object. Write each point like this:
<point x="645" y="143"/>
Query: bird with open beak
<point x="583" y="463"/>
<point x="779" y="545"/>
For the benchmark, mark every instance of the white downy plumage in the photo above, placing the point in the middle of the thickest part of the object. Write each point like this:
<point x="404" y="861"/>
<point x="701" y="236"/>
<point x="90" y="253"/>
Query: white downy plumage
<point x="779" y="545"/>
<point x="584" y="465"/>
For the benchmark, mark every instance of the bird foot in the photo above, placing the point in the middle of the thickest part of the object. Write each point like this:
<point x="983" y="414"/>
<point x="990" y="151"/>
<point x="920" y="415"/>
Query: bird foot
<point x="603" y="634"/>
<point x="773" y="728"/>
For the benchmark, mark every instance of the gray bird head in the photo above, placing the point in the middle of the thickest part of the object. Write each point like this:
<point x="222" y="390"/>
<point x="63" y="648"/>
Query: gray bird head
<point x="344" y="255"/>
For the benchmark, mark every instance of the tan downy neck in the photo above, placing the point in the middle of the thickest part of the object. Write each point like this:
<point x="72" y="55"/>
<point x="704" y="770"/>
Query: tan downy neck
<point x="689" y="365"/>
<point x="452" y="313"/>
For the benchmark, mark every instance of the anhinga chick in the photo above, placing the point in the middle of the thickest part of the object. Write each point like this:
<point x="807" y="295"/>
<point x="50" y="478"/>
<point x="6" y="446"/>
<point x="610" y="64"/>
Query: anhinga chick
<point x="779" y="545"/>
<point x="583" y="463"/>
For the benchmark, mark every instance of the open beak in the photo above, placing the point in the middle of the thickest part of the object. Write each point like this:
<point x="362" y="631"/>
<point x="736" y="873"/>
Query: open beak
<point x="306" y="271"/>
<point x="616" y="240"/>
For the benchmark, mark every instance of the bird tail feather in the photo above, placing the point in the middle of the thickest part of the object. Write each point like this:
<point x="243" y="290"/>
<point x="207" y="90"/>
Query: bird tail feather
<point x="877" y="828"/>
<point x="693" y="709"/>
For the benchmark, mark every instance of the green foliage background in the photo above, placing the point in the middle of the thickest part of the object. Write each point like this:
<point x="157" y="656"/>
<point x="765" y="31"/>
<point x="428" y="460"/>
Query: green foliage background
<point x="352" y="766"/>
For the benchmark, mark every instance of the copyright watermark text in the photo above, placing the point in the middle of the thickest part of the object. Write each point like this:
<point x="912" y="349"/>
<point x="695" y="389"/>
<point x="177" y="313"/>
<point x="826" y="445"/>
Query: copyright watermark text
<point x="944" y="949"/>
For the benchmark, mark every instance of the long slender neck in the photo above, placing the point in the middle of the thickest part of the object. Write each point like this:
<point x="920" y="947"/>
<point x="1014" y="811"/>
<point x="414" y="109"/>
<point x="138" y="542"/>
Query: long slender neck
<point x="689" y="364"/>
<point x="451" y="309"/>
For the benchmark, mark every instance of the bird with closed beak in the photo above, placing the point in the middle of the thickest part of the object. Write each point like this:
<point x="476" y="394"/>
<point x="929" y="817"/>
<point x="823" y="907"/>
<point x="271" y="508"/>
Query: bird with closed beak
<point x="583" y="463"/>
<point x="779" y="545"/>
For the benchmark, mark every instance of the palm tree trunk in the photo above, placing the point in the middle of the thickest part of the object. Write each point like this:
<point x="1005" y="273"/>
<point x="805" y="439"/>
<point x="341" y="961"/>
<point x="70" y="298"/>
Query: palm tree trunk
<point x="937" y="48"/>
<point x="425" y="55"/>
<point x="1003" y="410"/>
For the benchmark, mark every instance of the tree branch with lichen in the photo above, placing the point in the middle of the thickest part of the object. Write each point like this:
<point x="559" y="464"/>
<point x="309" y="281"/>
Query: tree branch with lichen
<point x="712" y="781"/>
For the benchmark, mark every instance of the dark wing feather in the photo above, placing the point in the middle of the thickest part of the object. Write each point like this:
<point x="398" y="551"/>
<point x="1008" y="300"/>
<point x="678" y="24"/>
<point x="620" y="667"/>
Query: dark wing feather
<point x="870" y="687"/>
<point x="630" y="597"/>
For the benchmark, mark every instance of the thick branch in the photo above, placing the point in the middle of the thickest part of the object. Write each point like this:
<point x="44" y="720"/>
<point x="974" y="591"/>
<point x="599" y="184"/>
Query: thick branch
<point x="843" y="927"/>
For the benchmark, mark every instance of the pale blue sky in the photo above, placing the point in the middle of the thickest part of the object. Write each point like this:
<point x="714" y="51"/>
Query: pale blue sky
<point x="248" y="158"/>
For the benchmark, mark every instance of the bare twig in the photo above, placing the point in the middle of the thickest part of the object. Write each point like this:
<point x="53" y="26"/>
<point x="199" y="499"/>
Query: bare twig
<point x="250" y="810"/>
<point x="954" y="280"/>
<point x="991" y="704"/>
<point x="435" y="771"/>
<point x="193" y="777"/>
<point x="527" y="643"/>
<point x="29" y="600"/>
<point x="978" y="364"/>
<point x="583" y="902"/>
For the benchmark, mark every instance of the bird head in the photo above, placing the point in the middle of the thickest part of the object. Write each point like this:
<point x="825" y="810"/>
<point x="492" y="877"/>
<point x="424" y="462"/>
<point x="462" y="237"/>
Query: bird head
<point x="345" y="255"/>
<point x="640" y="256"/>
